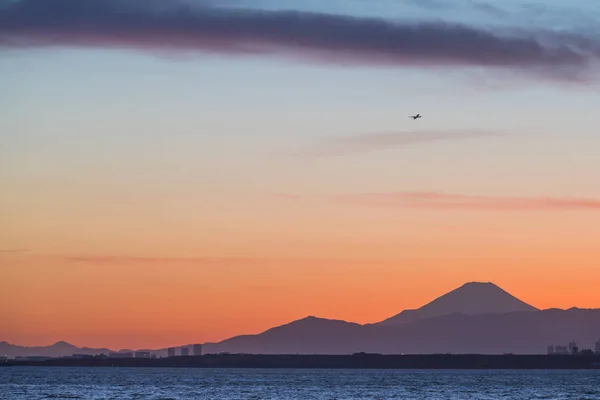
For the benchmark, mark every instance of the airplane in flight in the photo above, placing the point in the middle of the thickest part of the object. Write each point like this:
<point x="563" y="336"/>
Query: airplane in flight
<point x="415" y="117"/>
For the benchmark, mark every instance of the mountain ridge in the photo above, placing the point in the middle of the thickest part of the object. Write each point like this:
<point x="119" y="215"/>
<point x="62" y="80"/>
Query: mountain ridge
<point x="499" y="322"/>
<point x="522" y="332"/>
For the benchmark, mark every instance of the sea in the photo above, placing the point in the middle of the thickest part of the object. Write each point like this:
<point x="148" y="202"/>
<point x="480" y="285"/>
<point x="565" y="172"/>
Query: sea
<point x="32" y="383"/>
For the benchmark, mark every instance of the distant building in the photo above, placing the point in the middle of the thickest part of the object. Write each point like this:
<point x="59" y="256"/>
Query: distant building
<point x="197" y="349"/>
<point x="82" y="356"/>
<point x="33" y="358"/>
<point x="550" y="350"/>
<point x="3" y="358"/>
<point x="143" y="354"/>
<point x="185" y="351"/>
<point x="586" y="352"/>
<point x="171" y="352"/>
<point x="562" y="350"/>
<point x="597" y="350"/>
<point x="573" y="349"/>
<point x="120" y="355"/>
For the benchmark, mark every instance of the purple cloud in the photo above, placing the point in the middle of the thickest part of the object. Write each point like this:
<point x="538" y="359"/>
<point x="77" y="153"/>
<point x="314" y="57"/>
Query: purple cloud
<point x="115" y="259"/>
<point x="368" y="142"/>
<point x="438" y="200"/>
<point x="155" y="25"/>
<point x="14" y="251"/>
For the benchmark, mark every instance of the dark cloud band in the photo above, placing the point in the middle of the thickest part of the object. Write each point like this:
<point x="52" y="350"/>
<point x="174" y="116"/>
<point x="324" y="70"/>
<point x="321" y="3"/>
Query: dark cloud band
<point x="178" y="26"/>
<point x="438" y="200"/>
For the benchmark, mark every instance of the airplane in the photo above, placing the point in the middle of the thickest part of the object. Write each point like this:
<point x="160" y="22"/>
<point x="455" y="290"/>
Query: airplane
<point x="416" y="116"/>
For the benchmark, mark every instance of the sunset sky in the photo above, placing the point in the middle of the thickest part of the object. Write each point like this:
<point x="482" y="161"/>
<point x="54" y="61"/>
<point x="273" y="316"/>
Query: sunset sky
<point x="175" y="174"/>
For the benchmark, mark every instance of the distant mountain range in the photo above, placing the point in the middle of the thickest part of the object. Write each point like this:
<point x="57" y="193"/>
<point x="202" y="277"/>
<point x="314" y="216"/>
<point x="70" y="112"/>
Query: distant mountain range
<point x="475" y="318"/>
<point x="59" y="349"/>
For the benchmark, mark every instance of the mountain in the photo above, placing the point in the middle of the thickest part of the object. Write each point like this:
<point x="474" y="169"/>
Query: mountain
<point x="58" y="349"/>
<point x="474" y="298"/>
<point x="475" y="318"/>
<point x="308" y="335"/>
<point x="516" y="332"/>
<point x="522" y="332"/>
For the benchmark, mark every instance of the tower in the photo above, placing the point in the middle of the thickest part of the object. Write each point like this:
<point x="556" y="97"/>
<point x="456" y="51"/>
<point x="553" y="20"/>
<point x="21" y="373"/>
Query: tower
<point x="573" y="349"/>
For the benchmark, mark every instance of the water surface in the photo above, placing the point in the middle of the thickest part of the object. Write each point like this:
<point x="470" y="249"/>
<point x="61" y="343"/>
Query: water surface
<point x="32" y="383"/>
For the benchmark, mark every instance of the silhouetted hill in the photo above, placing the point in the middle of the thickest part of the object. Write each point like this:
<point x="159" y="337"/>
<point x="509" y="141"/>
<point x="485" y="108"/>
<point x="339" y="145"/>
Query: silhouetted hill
<point x="308" y="335"/>
<point x="472" y="298"/>
<point x="518" y="332"/>
<point x="58" y="349"/>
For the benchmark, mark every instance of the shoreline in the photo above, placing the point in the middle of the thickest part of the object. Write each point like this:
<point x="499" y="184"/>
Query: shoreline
<point x="357" y="361"/>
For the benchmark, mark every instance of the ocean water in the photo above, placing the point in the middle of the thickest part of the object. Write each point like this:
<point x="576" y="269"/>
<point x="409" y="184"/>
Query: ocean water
<point x="31" y="383"/>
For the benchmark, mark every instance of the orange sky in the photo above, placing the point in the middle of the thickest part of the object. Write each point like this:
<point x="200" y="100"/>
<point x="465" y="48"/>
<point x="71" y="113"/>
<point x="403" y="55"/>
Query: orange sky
<point x="150" y="202"/>
<point x="154" y="272"/>
<point x="150" y="299"/>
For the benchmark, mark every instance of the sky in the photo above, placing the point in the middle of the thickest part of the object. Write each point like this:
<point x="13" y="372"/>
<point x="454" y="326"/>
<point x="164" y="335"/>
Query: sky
<point x="181" y="172"/>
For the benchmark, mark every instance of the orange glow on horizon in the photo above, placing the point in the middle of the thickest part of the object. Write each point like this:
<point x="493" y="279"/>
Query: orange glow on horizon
<point x="140" y="303"/>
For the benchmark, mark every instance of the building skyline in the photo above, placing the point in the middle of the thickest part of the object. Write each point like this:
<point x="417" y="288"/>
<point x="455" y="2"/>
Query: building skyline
<point x="127" y="354"/>
<point x="144" y="354"/>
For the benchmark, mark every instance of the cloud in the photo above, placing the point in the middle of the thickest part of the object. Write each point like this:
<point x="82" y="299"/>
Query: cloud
<point x="438" y="200"/>
<point x="488" y="8"/>
<point x="287" y="196"/>
<point x="14" y="251"/>
<point x="461" y="5"/>
<point x="98" y="260"/>
<point x="171" y="25"/>
<point x="112" y="259"/>
<point x="368" y="142"/>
